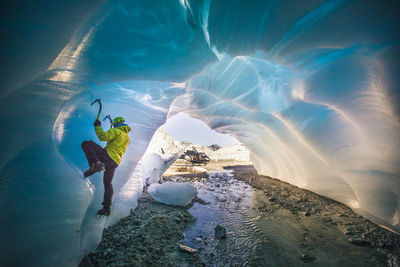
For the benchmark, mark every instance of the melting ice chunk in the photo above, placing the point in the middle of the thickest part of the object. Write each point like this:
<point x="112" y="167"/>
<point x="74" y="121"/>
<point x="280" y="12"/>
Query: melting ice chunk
<point x="173" y="193"/>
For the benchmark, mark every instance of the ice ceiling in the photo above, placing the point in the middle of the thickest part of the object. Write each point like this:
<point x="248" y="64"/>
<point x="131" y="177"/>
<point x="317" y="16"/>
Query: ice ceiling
<point x="310" y="87"/>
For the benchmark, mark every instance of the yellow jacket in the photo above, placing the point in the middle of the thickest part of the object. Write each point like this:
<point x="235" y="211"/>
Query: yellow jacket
<point x="117" y="140"/>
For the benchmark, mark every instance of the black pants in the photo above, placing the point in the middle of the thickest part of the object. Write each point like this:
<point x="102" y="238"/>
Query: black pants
<point x="95" y="153"/>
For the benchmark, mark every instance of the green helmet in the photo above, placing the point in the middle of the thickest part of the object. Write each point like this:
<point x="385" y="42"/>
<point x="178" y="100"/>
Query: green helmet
<point x="117" y="121"/>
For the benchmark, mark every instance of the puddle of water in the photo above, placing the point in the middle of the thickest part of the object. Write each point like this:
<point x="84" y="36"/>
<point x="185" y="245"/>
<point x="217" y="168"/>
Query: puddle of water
<point x="259" y="233"/>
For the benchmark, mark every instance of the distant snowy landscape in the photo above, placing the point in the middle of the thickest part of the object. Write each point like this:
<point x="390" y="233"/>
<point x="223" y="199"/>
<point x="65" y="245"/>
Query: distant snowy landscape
<point x="164" y="150"/>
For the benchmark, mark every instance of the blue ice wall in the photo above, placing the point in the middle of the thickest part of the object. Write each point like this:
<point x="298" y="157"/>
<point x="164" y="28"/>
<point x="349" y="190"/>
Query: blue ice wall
<point x="310" y="87"/>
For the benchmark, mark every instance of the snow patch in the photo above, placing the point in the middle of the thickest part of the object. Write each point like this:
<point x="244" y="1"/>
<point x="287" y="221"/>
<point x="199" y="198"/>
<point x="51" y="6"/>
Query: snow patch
<point x="198" y="169"/>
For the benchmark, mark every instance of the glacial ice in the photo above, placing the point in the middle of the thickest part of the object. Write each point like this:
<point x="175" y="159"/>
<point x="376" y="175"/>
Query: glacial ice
<point x="309" y="87"/>
<point x="173" y="193"/>
<point x="161" y="153"/>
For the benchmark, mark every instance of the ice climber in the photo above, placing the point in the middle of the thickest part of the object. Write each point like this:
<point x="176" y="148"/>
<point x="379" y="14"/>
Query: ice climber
<point x="107" y="158"/>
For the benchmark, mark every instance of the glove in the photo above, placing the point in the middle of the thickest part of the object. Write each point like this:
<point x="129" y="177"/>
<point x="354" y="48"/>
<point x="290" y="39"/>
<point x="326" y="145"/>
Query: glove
<point x="97" y="123"/>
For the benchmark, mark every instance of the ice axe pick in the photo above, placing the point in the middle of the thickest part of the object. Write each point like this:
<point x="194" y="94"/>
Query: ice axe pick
<point x="98" y="101"/>
<point x="108" y="117"/>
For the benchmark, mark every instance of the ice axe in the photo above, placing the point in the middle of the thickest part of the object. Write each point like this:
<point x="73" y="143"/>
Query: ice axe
<point x="98" y="101"/>
<point x="109" y="117"/>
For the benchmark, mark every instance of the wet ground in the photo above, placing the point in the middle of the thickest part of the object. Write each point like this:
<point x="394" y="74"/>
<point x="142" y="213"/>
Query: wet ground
<point x="242" y="219"/>
<point x="149" y="236"/>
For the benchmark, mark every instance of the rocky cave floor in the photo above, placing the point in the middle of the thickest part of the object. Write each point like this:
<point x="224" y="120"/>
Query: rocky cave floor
<point x="283" y="225"/>
<point x="381" y="245"/>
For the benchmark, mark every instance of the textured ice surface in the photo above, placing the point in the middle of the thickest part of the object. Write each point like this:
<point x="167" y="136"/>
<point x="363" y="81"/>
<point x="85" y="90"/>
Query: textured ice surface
<point x="309" y="87"/>
<point x="173" y="193"/>
<point x="160" y="154"/>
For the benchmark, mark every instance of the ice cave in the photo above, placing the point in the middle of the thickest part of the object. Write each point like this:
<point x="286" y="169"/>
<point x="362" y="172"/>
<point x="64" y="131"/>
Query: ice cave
<point x="311" y="88"/>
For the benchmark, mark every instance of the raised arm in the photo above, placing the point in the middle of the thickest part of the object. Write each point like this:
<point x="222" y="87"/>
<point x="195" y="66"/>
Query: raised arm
<point x="104" y="136"/>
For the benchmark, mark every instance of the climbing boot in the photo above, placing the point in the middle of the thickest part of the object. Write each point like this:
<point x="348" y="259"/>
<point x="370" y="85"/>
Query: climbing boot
<point x="95" y="167"/>
<point x="104" y="211"/>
